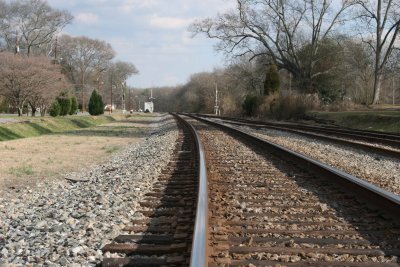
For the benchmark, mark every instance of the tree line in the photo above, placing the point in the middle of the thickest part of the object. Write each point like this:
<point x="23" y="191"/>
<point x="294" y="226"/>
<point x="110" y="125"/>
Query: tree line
<point x="300" y="36"/>
<point x="38" y="67"/>
<point x="279" y="53"/>
<point x="326" y="53"/>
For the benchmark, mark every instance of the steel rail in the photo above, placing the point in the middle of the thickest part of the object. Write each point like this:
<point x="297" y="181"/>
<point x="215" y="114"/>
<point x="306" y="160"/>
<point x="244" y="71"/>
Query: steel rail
<point x="385" y="201"/>
<point x="199" y="256"/>
<point x="395" y="136"/>
<point x="369" y="136"/>
<point x="370" y="148"/>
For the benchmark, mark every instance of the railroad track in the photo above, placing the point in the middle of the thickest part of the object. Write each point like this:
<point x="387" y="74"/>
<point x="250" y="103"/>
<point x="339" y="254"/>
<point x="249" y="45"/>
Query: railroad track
<point x="336" y="152"/>
<point x="268" y="208"/>
<point x="343" y="136"/>
<point x="163" y="235"/>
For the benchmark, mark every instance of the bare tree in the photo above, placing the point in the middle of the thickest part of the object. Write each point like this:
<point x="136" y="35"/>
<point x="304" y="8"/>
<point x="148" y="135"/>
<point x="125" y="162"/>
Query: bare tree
<point x="7" y="35"/>
<point x="279" y="29"/>
<point x="117" y="74"/>
<point x="51" y="83"/>
<point x="84" y="57"/>
<point x="382" y="17"/>
<point x="15" y="80"/>
<point x="358" y="71"/>
<point x="24" y="79"/>
<point x="3" y="26"/>
<point x="35" y="23"/>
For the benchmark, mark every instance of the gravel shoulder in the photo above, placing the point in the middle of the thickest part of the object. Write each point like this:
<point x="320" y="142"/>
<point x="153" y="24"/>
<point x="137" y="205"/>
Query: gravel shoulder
<point x="66" y="223"/>
<point x="376" y="169"/>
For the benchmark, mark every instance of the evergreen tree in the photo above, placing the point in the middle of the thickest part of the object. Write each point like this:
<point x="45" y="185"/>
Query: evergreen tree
<point x="74" y="106"/>
<point x="96" y="105"/>
<point x="272" y="82"/>
<point x="65" y="104"/>
<point x="251" y="104"/>
<point x="55" y="109"/>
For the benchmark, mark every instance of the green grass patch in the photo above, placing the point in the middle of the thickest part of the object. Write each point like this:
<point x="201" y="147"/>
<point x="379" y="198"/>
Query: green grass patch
<point x="112" y="149"/>
<point x="30" y="127"/>
<point x="21" y="171"/>
<point x="383" y="121"/>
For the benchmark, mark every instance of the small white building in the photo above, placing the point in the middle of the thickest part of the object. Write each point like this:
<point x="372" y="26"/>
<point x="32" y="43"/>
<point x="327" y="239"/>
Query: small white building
<point x="149" y="107"/>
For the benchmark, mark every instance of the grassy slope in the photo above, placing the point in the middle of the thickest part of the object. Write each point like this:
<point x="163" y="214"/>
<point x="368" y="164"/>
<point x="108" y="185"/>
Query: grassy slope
<point x="384" y="121"/>
<point x="47" y="125"/>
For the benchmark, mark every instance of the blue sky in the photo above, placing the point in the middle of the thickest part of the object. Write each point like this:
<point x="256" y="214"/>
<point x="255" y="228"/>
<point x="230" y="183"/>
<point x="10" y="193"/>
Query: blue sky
<point x="152" y="34"/>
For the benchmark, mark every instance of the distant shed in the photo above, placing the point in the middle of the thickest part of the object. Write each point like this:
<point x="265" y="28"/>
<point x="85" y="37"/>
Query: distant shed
<point x="149" y="107"/>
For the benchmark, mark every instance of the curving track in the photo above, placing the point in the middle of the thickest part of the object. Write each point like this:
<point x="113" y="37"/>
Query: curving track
<point x="163" y="236"/>
<point x="267" y="207"/>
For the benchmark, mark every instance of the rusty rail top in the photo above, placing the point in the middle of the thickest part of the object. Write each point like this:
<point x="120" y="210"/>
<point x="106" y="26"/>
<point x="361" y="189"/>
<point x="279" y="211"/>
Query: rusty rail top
<point x="199" y="256"/>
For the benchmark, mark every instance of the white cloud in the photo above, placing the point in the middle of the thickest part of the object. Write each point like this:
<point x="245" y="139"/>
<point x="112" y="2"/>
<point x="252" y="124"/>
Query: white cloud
<point x="87" y="18"/>
<point x="152" y="34"/>
<point x="130" y="5"/>
<point x="169" y="22"/>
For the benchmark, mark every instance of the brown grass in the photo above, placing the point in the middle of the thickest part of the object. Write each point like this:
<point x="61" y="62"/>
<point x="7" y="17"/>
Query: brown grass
<point x="24" y="162"/>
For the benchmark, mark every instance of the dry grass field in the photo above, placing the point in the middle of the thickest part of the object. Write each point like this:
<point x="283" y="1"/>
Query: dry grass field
<point x="24" y="162"/>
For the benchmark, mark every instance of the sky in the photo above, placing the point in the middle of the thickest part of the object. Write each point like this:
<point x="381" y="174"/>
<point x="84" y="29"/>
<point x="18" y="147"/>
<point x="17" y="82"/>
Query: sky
<point x="151" y="34"/>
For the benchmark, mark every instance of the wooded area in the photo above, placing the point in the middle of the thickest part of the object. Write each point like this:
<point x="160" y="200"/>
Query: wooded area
<point x="329" y="55"/>
<point x="37" y="66"/>
<point x="282" y="58"/>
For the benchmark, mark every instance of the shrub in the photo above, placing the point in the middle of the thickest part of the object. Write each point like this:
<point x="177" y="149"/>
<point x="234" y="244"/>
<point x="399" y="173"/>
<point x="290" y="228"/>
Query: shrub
<point x="55" y="108"/>
<point x="293" y="105"/>
<point x="96" y="105"/>
<point x="272" y="82"/>
<point x="74" y="106"/>
<point x="3" y="105"/>
<point x="251" y="104"/>
<point x="65" y="105"/>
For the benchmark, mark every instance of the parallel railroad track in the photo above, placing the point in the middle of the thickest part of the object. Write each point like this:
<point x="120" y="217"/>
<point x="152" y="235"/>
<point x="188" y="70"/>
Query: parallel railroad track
<point x="334" y="134"/>
<point x="163" y="235"/>
<point x="269" y="209"/>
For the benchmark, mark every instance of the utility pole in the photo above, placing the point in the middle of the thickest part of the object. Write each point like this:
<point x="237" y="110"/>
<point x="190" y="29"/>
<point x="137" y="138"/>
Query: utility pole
<point x="123" y="97"/>
<point x="16" y="42"/>
<point x="129" y="100"/>
<point x="216" y="107"/>
<point x="82" y="93"/>
<point x="55" y="51"/>
<point x="393" y="90"/>
<point x="151" y="95"/>
<point x="111" y="96"/>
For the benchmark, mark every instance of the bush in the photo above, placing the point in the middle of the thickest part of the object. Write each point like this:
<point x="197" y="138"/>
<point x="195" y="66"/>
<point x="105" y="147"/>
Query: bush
<point x="293" y="105"/>
<point x="65" y="105"/>
<point x="251" y="104"/>
<point x="272" y="82"/>
<point x="96" y="105"/>
<point x="3" y="105"/>
<point x="74" y="106"/>
<point x="55" y="109"/>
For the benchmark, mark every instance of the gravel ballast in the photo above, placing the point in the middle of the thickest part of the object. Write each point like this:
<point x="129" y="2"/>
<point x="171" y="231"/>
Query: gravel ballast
<point x="267" y="212"/>
<point x="67" y="223"/>
<point x="381" y="171"/>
